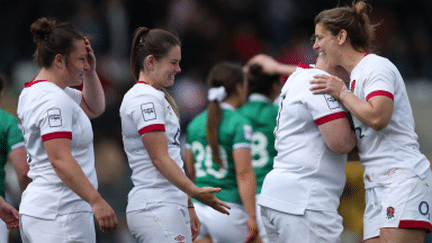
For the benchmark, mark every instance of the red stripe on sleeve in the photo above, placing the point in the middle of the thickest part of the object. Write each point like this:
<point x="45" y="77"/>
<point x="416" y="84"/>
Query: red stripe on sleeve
<point x="150" y="128"/>
<point x="413" y="224"/>
<point x="380" y="92"/>
<point x="330" y="117"/>
<point x="54" y="135"/>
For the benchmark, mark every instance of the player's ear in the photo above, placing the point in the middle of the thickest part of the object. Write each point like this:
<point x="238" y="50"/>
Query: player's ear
<point x="149" y="62"/>
<point x="342" y="37"/>
<point x="59" y="60"/>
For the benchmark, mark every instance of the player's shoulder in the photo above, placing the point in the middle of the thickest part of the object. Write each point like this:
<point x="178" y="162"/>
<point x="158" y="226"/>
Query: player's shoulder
<point x="142" y="92"/>
<point x="7" y="119"/>
<point x="198" y="121"/>
<point x="238" y="118"/>
<point x="376" y="62"/>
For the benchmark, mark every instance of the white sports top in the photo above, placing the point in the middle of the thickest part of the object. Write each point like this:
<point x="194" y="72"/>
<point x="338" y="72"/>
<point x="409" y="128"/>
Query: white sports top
<point x="306" y="173"/>
<point x="145" y="109"/>
<point x="49" y="112"/>
<point x="393" y="152"/>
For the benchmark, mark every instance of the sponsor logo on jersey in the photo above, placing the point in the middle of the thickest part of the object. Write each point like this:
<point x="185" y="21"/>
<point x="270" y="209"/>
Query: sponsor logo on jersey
<point x="332" y="103"/>
<point x="148" y="111"/>
<point x="54" y="117"/>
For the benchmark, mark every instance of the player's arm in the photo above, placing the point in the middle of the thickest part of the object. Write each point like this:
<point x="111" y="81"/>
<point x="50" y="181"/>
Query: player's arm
<point x="338" y="135"/>
<point x="93" y="97"/>
<point x="190" y="165"/>
<point x="195" y="223"/>
<point x="9" y="214"/>
<point x="246" y="182"/>
<point x="375" y="112"/>
<point x="70" y="172"/>
<point x="270" y="65"/>
<point x="18" y="157"/>
<point x="156" y="145"/>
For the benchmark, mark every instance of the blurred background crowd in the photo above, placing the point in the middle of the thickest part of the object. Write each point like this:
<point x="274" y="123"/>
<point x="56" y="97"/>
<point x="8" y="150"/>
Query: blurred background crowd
<point x="211" y="31"/>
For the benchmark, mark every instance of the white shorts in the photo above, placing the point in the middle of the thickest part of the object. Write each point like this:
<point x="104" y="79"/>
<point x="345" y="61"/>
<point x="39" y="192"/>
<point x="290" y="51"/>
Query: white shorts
<point x="160" y="222"/>
<point x="74" y="227"/>
<point x="261" y="227"/>
<point x="220" y="227"/>
<point x="4" y="232"/>
<point x="402" y="204"/>
<point x="312" y="227"/>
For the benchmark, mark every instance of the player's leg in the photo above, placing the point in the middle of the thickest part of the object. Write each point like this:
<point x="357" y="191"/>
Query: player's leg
<point x="160" y="222"/>
<point x="74" y="227"/>
<point x="4" y="232"/>
<point x="203" y="213"/>
<point x="401" y="211"/>
<point x="228" y="228"/>
<point x="262" y="230"/>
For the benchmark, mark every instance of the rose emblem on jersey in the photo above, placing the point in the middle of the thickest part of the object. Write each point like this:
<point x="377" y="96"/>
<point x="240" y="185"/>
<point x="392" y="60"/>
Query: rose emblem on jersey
<point x="179" y="238"/>
<point x="390" y="212"/>
<point x="352" y="85"/>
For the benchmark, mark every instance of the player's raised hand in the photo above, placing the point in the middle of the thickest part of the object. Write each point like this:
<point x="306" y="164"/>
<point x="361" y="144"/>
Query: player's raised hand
<point x="206" y="196"/>
<point x="91" y="57"/>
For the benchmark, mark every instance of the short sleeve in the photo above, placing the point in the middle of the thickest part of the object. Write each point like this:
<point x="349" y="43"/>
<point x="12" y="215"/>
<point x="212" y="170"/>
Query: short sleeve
<point x="325" y="108"/>
<point x="148" y="114"/>
<point x="242" y="136"/>
<point x="381" y="81"/>
<point x="56" y="119"/>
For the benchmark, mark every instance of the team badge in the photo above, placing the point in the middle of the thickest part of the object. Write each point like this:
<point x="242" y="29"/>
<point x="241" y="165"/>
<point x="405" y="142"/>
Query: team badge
<point x="352" y="87"/>
<point x="148" y="111"/>
<point x="54" y="117"/>
<point x="390" y="212"/>
<point x="180" y="238"/>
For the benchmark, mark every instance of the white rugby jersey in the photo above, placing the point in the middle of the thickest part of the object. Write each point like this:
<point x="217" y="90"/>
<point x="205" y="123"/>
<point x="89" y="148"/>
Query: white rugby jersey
<point x="145" y="109"/>
<point x="393" y="152"/>
<point x="306" y="173"/>
<point x="49" y="112"/>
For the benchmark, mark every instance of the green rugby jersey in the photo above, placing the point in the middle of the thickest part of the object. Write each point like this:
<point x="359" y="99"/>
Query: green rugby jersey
<point x="10" y="138"/>
<point x="262" y="114"/>
<point x="235" y="131"/>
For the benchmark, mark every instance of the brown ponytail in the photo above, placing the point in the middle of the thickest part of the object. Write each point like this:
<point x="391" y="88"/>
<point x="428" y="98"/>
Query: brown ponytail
<point x="155" y="42"/>
<point x="228" y="75"/>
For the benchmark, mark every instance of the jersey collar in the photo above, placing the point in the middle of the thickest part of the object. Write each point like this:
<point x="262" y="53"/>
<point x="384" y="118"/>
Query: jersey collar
<point x="224" y="105"/>
<point x="28" y="84"/>
<point x="259" y="97"/>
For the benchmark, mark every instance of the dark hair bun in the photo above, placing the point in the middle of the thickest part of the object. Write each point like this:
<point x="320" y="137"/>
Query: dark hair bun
<point x="41" y="29"/>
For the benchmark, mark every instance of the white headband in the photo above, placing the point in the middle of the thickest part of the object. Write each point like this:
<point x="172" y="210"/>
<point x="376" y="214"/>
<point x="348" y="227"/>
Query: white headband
<point x="218" y="94"/>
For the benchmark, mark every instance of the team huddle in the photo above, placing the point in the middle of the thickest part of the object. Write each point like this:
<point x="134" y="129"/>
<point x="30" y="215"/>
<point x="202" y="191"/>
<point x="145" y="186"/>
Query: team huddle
<point x="265" y="162"/>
